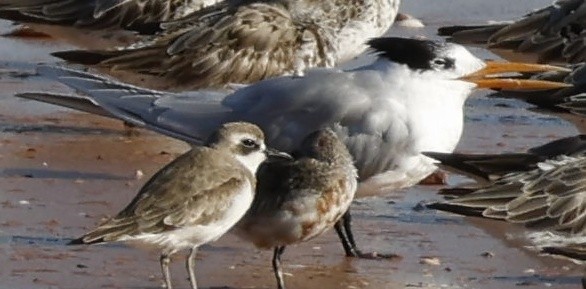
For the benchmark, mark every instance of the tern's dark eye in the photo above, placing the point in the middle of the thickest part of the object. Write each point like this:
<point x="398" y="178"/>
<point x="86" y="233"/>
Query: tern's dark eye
<point x="249" y="143"/>
<point x="442" y="63"/>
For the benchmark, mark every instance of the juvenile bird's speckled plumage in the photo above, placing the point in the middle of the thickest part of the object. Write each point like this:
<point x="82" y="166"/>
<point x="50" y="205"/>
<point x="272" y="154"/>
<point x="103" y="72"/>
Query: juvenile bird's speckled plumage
<point x="99" y="14"/>
<point x="554" y="33"/>
<point x="298" y="200"/>
<point x="551" y="196"/>
<point x="193" y="200"/>
<point x="247" y="41"/>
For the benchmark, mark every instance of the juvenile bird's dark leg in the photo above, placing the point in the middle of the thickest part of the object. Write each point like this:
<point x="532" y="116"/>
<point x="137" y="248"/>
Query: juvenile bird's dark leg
<point x="277" y="266"/>
<point x="344" y="229"/>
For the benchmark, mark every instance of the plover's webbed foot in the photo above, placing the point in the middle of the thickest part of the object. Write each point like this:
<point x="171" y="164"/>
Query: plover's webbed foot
<point x="165" y="260"/>
<point x="344" y="229"/>
<point x="277" y="266"/>
<point x="190" y="264"/>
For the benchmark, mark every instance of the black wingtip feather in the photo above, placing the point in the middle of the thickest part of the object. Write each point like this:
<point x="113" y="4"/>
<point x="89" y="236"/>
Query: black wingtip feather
<point x="85" y="57"/>
<point x="81" y="241"/>
<point x="78" y="241"/>
<point x="460" y="210"/>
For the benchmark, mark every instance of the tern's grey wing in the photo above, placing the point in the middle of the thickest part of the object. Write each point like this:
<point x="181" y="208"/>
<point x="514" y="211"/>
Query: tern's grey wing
<point x="286" y="108"/>
<point x="194" y="189"/>
<point x="98" y="14"/>
<point x="553" y="33"/>
<point x="253" y="42"/>
<point x="179" y="116"/>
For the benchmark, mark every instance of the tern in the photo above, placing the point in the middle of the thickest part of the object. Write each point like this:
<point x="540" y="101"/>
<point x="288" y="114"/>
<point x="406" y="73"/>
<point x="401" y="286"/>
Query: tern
<point x="553" y="34"/>
<point x="193" y="200"/>
<point x="407" y="101"/>
<point x="250" y="40"/>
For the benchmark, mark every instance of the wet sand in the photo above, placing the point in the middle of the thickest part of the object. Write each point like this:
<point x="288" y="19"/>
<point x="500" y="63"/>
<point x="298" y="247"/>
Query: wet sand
<point x="62" y="172"/>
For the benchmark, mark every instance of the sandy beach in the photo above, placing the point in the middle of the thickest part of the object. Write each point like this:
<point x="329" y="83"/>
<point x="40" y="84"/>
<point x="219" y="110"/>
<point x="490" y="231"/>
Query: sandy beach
<point x="62" y="172"/>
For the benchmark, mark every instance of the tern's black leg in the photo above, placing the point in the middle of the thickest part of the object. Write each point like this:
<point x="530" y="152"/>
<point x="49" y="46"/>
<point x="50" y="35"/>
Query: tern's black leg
<point x="277" y="266"/>
<point x="348" y="248"/>
<point x="584" y="282"/>
<point x="346" y="236"/>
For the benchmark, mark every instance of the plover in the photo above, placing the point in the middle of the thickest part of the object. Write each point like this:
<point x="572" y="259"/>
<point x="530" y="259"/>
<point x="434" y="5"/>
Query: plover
<point x="298" y="200"/>
<point x="99" y="14"/>
<point x="247" y="41"/>
<point x="408" y="101"/>
<point x="553" y="34"/>
<point x="193" y="200"/>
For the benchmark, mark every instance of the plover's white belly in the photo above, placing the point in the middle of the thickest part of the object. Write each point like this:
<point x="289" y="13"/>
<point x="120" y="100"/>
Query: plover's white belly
<point x="195" y="235"/>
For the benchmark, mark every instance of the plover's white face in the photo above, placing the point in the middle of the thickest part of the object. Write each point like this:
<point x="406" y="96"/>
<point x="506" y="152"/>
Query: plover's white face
<point x="249" y="150"/>
<point x="245" y="141"/>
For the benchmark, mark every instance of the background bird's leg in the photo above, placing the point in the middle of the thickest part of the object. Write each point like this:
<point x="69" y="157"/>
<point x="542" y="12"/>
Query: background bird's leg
<point x="190" y="267"/>
<point x="165" y="260"/>
<point x="349" y="237"/>
<point x="277" y="266"/>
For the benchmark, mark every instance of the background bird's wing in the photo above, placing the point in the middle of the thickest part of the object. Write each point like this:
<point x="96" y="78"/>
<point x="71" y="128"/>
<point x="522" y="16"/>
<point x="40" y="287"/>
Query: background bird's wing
<point x="553" y="33"/>
<point x="253" y="41"/>
<point x="95" y="14"/>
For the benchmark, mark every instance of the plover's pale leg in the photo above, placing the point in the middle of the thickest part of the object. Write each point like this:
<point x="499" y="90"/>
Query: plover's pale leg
<point x="165" y="260"/>
<point x="277" y="266"/>
<point x="190" y="266"/>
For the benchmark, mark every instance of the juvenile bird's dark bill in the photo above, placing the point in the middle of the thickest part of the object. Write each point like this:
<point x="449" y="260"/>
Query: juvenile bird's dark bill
<point x="275" y="154"/>
<point x="491" y="76"/>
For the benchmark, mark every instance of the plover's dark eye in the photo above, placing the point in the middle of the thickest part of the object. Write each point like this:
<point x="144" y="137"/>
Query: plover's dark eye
<point x="249" y="143"/>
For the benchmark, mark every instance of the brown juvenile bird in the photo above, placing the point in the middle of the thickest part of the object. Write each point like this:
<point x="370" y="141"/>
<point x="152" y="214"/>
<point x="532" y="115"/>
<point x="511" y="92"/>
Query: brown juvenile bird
<point x="193" y="200"/>
<point x="298" y="200"/>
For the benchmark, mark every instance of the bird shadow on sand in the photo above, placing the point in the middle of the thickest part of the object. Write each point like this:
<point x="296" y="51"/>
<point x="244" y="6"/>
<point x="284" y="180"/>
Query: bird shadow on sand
<point x="536" y="279"/>
<point x="58" y="174"/>
<point x="60" y="129"/>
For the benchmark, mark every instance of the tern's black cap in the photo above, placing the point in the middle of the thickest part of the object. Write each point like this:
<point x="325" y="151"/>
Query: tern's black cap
<point x="415" y="53"/>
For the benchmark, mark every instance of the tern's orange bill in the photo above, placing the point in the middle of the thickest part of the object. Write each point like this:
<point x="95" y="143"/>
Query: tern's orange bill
<point x="488" y="77"/>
